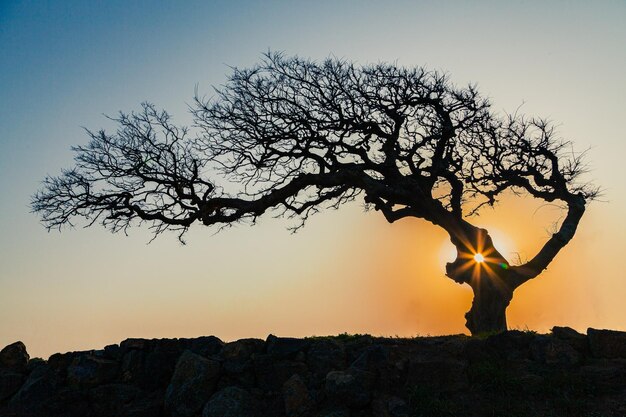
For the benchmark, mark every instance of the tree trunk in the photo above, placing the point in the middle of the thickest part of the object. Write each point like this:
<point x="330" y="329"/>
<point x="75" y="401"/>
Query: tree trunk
<point x="489" y="277"/>
<point x="491" y="298"/>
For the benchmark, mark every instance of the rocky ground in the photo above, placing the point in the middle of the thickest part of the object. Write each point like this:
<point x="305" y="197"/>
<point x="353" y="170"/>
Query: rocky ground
<point x="515" y="373"/>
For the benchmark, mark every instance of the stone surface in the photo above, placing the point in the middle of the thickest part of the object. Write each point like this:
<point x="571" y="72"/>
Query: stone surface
<point x="390" y="407"/>
<point x="271" y="374"/>
<point x="242" y="349"/>
<point x="352" y="388"/>
<point x="206" y="346"/>
<point x="551" y="350"/>
<point x="607" y="343"/>
<point x="297" y="397"/>
<point x="14" y="356"/>
<point x="285" y="347"/>
<point x="441" y="374"/>
<point x="231" y="402"/>
<point x="193" y="382"/>
<point x="514" y="373"/>
<point x="89" y="371"/>
<point x="10" y="383"/>
<point x="326" y="355"/>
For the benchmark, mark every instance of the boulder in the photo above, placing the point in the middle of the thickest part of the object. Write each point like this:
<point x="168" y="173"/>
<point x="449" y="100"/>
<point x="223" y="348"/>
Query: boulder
<point x="44" y="395"/>
<point x="352" y="388"/>
<point x="131" y="369"/>
<point x="604" y="374"/>
<point x="325" y="355"/>
<point x="231" y="402"/>
<point x="607" y="343"/>
<point x="237" y="362"/>
<point x="59" y="362"/>
<point x="576" y="340"/>
<point x="206" y="346"/>
<point x="285" y="347"/>
<point x="242" y="349"/>
<point x="296" y="396"/>
<point x="111" y="399"/>
<point x="112" y="352"/>
<point x="510" y="345"/>
<point x="271" y="374"/>
<point x="334" y="412"/>
<point x="87" y="371"/>
<point x="372" y="358"/>
<point x="193" y="382"/>
<point x="390" y="407"/>
<point x="14" y="356"/>
<point x="10" y="383"/>
<point x="135" y="343"/>
<point x="551" y="350"/>
<point x="441" y="374"/>
<point x="159" y="364"/>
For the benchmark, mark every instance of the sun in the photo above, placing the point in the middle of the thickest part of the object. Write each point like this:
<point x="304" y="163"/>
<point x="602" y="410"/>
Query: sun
<point x="479" y="258"/>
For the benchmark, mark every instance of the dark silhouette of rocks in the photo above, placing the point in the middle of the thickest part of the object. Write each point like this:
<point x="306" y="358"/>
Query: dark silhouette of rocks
<point x="513" y="373"/>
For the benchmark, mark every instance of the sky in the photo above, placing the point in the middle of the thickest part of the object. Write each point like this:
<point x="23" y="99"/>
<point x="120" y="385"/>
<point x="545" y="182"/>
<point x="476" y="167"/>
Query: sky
<point x="64" y="65"/>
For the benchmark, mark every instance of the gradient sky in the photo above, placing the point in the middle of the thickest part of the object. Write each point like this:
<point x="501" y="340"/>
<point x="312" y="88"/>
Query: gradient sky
<point x="65" y="64"/>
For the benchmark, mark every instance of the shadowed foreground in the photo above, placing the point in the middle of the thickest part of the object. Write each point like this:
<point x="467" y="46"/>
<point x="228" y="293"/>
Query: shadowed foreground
<point x="510" y="374"/>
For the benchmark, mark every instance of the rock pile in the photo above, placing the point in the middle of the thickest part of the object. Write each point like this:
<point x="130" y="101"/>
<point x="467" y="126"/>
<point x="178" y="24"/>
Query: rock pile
<point x="513" y="373"/>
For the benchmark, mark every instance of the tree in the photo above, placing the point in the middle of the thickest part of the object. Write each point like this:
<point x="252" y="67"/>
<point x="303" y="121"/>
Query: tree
<point x="297" y="136"/>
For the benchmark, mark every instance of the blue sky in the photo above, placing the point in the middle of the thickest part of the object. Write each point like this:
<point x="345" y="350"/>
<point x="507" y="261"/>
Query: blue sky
<point x="65" y="64"/>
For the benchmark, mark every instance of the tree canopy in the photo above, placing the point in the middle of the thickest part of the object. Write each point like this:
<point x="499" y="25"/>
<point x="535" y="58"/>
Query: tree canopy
<point x="293" y="136"/>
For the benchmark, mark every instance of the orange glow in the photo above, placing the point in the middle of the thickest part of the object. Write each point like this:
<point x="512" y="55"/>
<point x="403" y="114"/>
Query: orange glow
<point x="479" y="258"/>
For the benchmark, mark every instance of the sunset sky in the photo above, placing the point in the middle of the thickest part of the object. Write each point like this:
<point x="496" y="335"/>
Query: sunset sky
<point x="63" y="65"/>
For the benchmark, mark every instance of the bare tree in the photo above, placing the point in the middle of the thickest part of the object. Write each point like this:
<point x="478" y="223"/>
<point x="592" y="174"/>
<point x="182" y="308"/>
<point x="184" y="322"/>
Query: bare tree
<point x="297" y="136"/>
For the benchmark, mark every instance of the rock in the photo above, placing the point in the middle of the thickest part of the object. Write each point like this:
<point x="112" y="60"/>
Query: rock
<point x="511" y="345"/>
<point x="334" y="412"/>
<point x="566" y="333"/>
<point x="390" y="407"/>
<point x="382" y="362"/>
<point x="111" y="399"/>
<point x="476" y="350"/>
<point x="607" y="343"/>
<point x="271" y="374"/>
<point x="242" y="349"/>
<point x="605" y="374"/>
<point x="134" y="343"/>
<point x="122" y="400"/>
<point x="237" y="362"/>
<point x="14" y="356"/>
<point x="352" y="388"/>
<point x="576" y="340"/>
<point x="550" y="350"/>
<point x="34" y="363"/>
<point x="150" y="406"/>
<point x="41" y="384"/>
<point x="285" y="347"/>
<point x="230" y="402"/>
<point x="192" y="384"/>
<point x="10" y="383"/>
<point x="132" y="366"/>
<point x="372" y="358"/>
<point x="440" y="374"/>
<point x="296" y="396"/>
<point x="150" y="363"/>
<point x="206" y="346"/>
<point x="112" y="352"/>
<point x="325" y="355"/>
<point x="159" y="364"/>
<point x="59" y="362"/>
<point x="88" y="371"/>
<point x="354" y="345"/>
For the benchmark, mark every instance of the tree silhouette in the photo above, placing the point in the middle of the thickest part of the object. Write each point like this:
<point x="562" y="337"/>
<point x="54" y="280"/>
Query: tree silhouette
<point x="297" y="136"/>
